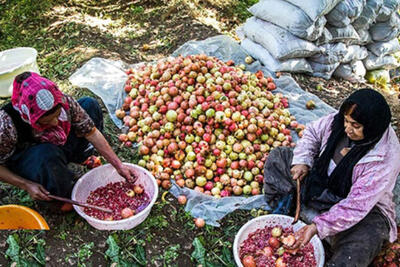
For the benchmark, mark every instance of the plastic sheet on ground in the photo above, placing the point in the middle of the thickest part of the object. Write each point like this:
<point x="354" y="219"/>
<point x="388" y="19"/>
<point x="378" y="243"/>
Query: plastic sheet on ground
<point x="106" y="79"/>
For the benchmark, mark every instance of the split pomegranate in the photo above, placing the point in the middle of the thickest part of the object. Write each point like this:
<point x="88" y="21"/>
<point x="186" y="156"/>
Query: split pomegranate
<point x="120" y="197"/>
<point x="267" y="250"/>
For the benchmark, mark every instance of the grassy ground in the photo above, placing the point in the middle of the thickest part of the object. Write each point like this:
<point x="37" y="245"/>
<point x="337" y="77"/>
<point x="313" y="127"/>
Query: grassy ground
<point x="68" y="33"/>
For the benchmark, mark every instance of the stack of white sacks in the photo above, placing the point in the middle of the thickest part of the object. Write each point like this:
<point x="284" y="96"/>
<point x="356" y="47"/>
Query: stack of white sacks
<point x="344" y="38"/>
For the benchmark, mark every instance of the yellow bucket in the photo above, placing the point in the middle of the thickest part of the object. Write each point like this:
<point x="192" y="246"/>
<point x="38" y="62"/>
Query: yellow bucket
<point x="14" y="217"/>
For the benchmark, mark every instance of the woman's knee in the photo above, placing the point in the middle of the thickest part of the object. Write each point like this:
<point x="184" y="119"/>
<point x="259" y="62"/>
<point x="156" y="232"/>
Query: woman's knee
<point x="93" y="109"/>
<point x="44" y="153"/>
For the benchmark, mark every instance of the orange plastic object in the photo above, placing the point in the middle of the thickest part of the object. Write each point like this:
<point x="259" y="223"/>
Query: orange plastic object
<point x="20" y="217"/>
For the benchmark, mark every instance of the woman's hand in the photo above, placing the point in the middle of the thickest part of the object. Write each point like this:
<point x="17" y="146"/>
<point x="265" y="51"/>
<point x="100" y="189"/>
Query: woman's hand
<point x="37" y="191"/>
<point x="299" y="171"/>
<point x="303" y="236"/>
<point x="128" y="173"/>
<point x="102" y="146"/>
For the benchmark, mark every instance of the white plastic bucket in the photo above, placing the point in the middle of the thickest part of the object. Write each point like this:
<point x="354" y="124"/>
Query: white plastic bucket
<point x="272" y="220"/>
<point x="103" y="175"/>
<point x="13" y="62"/>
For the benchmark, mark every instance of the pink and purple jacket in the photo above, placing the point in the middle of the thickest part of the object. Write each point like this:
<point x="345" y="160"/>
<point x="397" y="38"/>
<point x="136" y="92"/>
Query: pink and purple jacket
<point x="374" y="178"/>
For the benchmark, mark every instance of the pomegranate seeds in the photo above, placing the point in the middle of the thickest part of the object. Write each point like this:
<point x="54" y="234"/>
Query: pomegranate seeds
<point x="117" y="197"/>
<point x="261" y="245"/>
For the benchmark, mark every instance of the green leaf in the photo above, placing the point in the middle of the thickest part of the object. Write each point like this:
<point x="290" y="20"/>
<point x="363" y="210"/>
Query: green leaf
<point x="40" y="253"/>
<point x="227" y="257"/>
<point x="123" y="263"/>
<point x="213" y="264"/>
<point x="13" y="249"/>
<point x="141" y="255"/>
<point x="113" y="249"/>
<point x="199" y="252"/>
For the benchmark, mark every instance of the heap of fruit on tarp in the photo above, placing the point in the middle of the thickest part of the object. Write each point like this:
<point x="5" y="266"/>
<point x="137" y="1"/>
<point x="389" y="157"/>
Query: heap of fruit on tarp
<point x="205" y="123"/>
<point x="390" y="254"/>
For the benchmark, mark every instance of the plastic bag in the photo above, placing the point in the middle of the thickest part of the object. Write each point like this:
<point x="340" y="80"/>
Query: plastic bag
<point x="315" y="8"/>
<point x="297" y="65"/>
<point x="353" y="72"/>
<point x="383" y="32"/>
<point x="368" y="14"/>
<point x="330" y="53"/>
<point x="384" y="48"/>
<point x="396" y="199"/>
<point x="289" y="17"/>
<point x="325" y="38"/>
<point x="379" y="77"/>
<point x="345" y="12"/>
<point x="387" y="9"/>
<point x="373" y="62"/>
<point x="345" y="34"/>
<point x="105" y="78"/>
<point x="355" y="53"/>
<point x="324" y="71"/>
<point x="365" y="38"/>
<point x="278" y="41"/>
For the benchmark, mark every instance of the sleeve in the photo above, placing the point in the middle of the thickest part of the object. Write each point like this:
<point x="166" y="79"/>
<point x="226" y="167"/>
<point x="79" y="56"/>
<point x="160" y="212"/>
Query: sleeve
<point x="8" y="137"/>
<point x="81" y="123"/>
<point x="374" y="181"/>
<point x="308" y="147"/>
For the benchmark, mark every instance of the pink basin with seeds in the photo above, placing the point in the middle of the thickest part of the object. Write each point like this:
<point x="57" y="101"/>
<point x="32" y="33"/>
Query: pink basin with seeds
<point x="104" y="175"/>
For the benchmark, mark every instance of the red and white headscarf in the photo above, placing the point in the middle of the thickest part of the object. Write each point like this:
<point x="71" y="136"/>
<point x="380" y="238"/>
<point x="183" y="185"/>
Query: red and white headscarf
<point x="33" y="98"/>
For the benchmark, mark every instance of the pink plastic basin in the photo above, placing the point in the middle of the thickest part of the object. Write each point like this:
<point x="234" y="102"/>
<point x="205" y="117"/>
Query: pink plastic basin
<point x="103" y="175"/>
<point x="271" y="221"/>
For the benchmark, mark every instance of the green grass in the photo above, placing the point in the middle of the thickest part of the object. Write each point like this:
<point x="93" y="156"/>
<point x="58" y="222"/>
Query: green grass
<point x="240" y="8"/>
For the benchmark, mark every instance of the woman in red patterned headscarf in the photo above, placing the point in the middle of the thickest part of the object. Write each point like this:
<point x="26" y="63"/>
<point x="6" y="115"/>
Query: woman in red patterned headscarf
<point x="41" y="130"/>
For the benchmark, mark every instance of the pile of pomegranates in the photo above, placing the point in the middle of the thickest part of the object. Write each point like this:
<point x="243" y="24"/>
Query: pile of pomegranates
<point x="123" y="198"/>
<point x="266" y="247"/>
<point x="390" y="254"/>
<point x="205" y="123"/>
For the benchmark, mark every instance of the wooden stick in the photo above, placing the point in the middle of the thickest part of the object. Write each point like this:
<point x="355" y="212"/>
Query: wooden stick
<point x="80" y="203"/>
<point x="297" y="215"/>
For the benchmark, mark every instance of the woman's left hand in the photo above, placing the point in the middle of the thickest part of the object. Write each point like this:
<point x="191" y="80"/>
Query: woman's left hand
<point x="304" y="235"/>
<point x="128" y="173"/>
